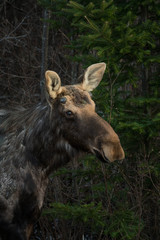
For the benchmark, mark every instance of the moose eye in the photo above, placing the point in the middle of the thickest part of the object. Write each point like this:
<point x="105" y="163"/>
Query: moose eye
<point x="69" y="113"/>
<point x="63" y="100"/>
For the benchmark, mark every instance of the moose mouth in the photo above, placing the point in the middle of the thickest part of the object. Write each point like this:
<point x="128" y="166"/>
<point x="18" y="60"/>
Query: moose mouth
<point x="101" y="156"/>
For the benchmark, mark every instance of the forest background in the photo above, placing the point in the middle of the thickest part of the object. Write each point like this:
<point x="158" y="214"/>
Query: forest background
<point x="86" y="199"/>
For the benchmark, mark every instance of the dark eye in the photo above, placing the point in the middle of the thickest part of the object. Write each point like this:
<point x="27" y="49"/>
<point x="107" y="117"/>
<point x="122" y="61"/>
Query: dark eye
<point x="69" y="113"/>
<point x="63" y="100"/>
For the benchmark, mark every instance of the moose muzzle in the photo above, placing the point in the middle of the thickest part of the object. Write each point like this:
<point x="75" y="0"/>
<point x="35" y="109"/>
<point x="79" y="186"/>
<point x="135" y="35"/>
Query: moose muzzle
<point x="106" y="146"/>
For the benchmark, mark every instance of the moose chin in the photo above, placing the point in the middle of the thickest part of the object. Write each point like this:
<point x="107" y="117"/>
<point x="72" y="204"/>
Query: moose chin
<point x="43" y="138"/>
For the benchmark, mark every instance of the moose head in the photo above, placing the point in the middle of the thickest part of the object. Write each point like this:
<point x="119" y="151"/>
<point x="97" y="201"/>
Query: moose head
<point x="79" y="125"/>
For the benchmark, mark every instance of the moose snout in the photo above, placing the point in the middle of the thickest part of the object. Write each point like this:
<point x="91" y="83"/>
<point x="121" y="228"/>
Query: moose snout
<point x="109" y="152"/>
<point x="108" y="149"/>
<point x="113" y="151"/>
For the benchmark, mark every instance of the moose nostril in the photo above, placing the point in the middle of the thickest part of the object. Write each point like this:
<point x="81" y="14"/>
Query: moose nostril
<point x="101" y="156"/>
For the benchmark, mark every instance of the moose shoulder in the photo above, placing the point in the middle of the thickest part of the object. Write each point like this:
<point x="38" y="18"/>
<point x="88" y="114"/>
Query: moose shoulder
<point x="43" y="138"/>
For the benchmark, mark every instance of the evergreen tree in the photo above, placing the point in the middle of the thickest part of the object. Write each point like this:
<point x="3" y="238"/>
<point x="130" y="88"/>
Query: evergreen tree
<point x="112" y="201"/>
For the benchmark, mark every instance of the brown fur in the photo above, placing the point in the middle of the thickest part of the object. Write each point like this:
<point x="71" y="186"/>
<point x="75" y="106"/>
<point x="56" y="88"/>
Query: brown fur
<point x="40" y="140"/>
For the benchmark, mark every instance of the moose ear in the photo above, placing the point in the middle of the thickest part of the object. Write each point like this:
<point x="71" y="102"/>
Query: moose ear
<point x="53" y="83"/>
<point x="93" y="75"/>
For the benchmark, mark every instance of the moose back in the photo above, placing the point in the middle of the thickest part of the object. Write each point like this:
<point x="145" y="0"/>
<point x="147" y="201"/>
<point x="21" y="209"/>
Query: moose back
<point x="43" y="138"/>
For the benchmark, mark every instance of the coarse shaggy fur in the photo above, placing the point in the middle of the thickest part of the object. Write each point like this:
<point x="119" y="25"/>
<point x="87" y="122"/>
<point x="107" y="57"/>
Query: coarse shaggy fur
<point x="43" y="138"/>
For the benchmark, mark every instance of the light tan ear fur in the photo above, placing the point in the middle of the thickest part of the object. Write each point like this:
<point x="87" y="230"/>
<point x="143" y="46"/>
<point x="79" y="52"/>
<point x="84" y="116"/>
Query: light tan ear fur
<point x="53" y="83"/>
<point x="93" y="75"/>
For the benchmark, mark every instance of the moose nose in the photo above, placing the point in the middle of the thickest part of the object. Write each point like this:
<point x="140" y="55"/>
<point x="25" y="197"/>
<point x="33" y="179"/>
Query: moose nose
<point x="113" y="151"/>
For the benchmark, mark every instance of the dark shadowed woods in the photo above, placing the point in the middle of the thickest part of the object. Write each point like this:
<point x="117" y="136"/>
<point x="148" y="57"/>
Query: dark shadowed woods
<point x="86" y="199"/>
<point x="21" y="52"/>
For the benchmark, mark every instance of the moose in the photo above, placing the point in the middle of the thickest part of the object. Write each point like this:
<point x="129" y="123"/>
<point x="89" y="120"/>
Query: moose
<point x="43" y="138"/>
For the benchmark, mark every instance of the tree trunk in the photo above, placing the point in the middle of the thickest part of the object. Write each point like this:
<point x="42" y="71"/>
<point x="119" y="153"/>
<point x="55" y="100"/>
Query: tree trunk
<point x="44" y="60"/>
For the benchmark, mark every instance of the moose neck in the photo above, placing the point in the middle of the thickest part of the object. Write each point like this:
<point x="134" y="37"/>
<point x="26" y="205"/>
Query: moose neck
<point x="44" y="142"/>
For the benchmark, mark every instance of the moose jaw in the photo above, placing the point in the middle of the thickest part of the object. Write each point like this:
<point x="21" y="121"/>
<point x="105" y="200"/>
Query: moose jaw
<point x="41" y="139"/>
